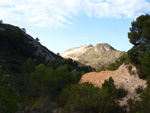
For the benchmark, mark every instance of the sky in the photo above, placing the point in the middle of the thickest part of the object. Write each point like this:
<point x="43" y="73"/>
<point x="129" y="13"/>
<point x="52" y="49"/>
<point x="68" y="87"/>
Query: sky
<point x="64" y="24"/>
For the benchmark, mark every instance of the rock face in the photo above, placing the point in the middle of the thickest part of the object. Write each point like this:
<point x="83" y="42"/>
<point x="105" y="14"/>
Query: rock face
<point x="41" y="50"/>
<point x="94" y="56"/>
<point x="125" y="77"/>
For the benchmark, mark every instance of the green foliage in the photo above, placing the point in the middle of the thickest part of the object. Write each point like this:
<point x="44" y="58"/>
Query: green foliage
<point x="8" y="96"/>
<point x="37" y="39"/>
<point x="139" y="90"/>
<point x="41" y="105"/>
<point x="42" y="81"/>
<point x="8" y="100"/>
<point x="87" y="68"/>
<point x="48" y="80"/>
<point x="27" y="66"/>
<point x="35" y="84"/>
<point x="86" y="98"/>
<point x="112" y="90"/>
<point x="139" y="36"/>
<point x="120" y="61"/>
<point x="41" y="88"/>
<point x="143" y="105"/>
<point x="65" y="76"/>
<point x="139" y="55"/>
<point x="74" y="65"/>
<point x="69" y="62"/>
<point x="53" y="63"/>
<point x="144" y="63"/>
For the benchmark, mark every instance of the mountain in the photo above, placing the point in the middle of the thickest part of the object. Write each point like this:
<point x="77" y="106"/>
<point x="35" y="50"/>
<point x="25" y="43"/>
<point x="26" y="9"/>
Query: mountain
<point x="94" y="56"/>
<point x="125" y="77"/>
<point x="16" y="46"/>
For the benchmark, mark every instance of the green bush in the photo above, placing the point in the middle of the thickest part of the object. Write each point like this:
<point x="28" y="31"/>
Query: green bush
<point x="42" y="82"/>
<point x="139" y="90"/>
<point x="112" y="90"/>
<point x="64" y="76"/>
<point x="9" y="99"/>
<point x="86" y="98"/>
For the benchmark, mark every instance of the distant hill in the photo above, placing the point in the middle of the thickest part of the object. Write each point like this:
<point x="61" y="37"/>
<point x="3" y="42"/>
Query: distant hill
<point x="94" y="56"/>
<point x="16" y="46"/>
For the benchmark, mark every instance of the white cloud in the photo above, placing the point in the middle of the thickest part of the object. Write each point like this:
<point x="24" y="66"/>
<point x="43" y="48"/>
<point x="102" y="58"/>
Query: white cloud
<point x="61" y="13"/>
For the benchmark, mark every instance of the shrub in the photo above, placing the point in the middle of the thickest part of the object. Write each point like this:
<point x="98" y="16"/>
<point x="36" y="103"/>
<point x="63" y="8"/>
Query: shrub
<point x="86" y="98"/>
<point x="139" y="89"/>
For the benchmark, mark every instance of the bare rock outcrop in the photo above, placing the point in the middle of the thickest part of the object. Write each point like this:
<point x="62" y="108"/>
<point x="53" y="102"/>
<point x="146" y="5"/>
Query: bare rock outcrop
<point x="94" y="56"/>
<point x="125" y="77"/>
<point x="41" y="50"/>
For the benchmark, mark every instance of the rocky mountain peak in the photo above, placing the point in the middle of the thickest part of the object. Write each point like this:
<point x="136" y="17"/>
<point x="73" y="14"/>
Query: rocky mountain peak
<point x="94" y="56"/>
<point x="88" y="45"/>
<point x="104" y="47"/>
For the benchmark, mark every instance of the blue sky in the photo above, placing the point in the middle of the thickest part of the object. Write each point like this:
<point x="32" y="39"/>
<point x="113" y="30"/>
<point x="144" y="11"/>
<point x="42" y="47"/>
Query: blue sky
<point x="64" y="24"/>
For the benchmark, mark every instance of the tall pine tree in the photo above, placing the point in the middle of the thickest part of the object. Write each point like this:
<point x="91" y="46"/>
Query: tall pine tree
<point x="139" y="36"/>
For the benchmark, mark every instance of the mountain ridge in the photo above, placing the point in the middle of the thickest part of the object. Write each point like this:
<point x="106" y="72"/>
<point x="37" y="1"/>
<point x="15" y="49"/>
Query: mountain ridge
<point x="101" y="54"/>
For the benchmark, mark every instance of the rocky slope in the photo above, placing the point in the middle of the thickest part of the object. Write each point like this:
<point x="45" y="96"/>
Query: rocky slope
<point x="125" y="77"/>
<point x="42" y="50"/>
<point x="16" y="46"/>
<point x="94" y="56"/>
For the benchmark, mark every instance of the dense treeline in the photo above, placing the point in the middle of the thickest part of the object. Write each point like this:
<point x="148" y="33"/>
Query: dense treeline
<point x="46" y="87"/>
<point x="33" y="82"/>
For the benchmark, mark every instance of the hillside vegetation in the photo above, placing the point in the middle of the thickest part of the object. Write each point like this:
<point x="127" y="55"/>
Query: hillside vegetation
<point x="48" y="87"/>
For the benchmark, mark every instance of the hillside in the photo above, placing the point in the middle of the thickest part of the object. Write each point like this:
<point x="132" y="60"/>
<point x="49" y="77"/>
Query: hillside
<point x="94" y="56"/>
<point x="16" y="46"/>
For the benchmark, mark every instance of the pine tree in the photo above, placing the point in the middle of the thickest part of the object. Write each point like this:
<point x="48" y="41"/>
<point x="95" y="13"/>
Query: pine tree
<point x="139" y="36"/>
